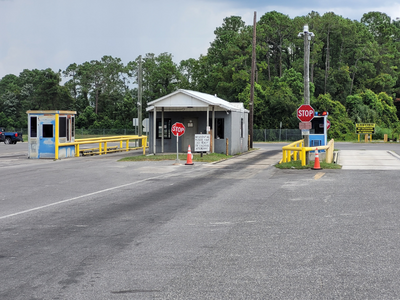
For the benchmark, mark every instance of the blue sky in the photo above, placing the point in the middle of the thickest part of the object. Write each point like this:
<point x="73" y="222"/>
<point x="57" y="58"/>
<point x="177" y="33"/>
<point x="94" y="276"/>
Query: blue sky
<point x="40" y="34"/>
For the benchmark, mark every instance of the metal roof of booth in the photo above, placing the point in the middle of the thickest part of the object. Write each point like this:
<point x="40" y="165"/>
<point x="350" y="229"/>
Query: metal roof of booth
<point x="186" y="100"/>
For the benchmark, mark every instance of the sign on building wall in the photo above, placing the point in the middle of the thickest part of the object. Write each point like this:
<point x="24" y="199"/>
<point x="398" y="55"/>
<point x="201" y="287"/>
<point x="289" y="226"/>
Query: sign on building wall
<point x="201" y="142"/>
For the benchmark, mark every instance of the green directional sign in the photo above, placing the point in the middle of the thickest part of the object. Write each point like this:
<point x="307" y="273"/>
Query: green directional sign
<point x="367" y="128"/>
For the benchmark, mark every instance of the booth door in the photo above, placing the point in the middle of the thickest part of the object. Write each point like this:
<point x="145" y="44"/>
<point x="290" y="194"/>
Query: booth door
<point x="190" y="131"/>
<point x="46" y="137"/>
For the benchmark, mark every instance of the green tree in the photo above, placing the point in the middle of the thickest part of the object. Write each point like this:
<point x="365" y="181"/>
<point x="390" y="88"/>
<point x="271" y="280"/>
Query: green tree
<point x="229" y="59"/>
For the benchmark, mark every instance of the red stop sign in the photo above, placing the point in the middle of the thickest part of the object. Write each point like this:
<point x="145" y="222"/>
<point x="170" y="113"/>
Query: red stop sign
<point x="305" y="113"/>
<point x="178" y="129"/>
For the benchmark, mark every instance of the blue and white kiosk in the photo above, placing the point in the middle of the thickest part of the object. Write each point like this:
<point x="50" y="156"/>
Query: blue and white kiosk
<point x="49" y="128"/>
<point x="319" y="130"/>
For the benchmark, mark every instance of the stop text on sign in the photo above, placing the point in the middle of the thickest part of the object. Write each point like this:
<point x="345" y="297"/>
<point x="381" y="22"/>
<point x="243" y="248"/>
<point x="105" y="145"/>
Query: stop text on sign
<point x="306" y="113"/>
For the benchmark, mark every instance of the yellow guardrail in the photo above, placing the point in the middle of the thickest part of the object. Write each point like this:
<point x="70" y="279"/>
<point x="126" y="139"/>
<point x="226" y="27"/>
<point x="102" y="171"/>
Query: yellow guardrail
<point x="296" y="149"/>
<point x="103" y="141"/>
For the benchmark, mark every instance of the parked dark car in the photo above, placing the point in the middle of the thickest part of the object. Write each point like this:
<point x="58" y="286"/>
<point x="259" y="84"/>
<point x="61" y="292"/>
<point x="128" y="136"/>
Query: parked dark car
<point x="10" y="137"/>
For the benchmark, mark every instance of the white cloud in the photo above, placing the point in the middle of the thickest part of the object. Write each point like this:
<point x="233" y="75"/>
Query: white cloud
<point x="53" y="34"/>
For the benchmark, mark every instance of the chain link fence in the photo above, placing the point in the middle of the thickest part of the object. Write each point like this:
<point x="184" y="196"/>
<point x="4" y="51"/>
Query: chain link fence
<point x="259" y="135"/>
<point x="276" y="135"/>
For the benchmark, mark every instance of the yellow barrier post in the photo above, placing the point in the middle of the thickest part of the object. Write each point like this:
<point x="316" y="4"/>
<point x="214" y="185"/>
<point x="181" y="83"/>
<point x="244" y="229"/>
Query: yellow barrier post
<point x="99" y="148"/>
<point x="57" y="136"/>
<point x="105" y="147"/>
<point x="127" y="145"/>
<point x="144" y="143"/>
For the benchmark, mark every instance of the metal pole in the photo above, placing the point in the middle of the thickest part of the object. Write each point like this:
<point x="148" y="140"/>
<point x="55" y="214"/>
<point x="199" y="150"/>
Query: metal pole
<point x="154" y="130"/>
<point x="307" y="37"/>
<point x="140" y="96"/>
<point x="213" y="130"/>
<point x="253" y="71"/>
<point x="162" y="134"/>
<point x="177" y="145"/>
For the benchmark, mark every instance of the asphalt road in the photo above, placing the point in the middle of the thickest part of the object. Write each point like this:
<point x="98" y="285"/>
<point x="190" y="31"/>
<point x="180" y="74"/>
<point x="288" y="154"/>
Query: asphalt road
<point x="95" y="228"/>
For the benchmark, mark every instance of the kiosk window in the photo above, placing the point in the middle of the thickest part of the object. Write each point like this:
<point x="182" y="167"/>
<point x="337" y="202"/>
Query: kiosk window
<point x="219" y="132"/>
<point x="167" y="128"/>
<point x="241" y="128"/>
<point x="219" y="128"/>
<point x="63" y="127"/>
<point x="73" y="127"/>
<point x="68" y="135"/>
<point x="47" y="130"/>
<point x="318" y="125"/>
<point x="33" y="126"/>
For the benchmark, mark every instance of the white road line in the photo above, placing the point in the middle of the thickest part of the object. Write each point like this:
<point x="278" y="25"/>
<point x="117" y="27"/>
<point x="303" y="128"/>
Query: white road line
<point x="76" y="198"/>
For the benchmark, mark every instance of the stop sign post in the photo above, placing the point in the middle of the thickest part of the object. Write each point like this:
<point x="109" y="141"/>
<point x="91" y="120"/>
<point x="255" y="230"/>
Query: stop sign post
<point x="305" y="113"/>
<point x="177" y="130"/>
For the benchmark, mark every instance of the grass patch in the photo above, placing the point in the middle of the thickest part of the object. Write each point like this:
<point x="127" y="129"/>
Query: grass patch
<point x="297" y="165"/>
<point x="212" y="157"/>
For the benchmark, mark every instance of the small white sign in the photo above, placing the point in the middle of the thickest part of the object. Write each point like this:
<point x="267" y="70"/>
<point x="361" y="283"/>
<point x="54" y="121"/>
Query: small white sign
<point x="145" y="124"/>
<point x="201" y="143"/>
<point x="305" y="132"/>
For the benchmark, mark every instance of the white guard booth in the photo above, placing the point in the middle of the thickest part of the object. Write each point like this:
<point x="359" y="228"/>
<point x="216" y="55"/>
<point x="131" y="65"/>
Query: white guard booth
<point x="48" y="128"/>
<point x="226" y="122"/>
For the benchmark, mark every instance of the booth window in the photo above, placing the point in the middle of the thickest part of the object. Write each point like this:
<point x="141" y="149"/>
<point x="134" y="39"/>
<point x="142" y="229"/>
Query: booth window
<point x="219" y="126"/>
<point x="73" y="126"/>
<point x="68" y="135"/>
<point x="167" y="128"/>
<point x="33" y="126"/>
<point x="318" y="125"/>
<point x="62" y="132"/>
<point x="241" y="128"/>
<point x="47" y="130"/>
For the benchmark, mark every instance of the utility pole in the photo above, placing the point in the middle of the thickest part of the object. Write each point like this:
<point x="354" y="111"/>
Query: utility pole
<point x="307" y="37"/>
<point x="139" y="104"/>
<point x="253" y="71"/>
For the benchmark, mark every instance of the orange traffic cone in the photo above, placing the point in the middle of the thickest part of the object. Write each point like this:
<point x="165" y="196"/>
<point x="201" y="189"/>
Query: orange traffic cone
<point x="189" y="157"/>
<point x="316" y="162"/>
